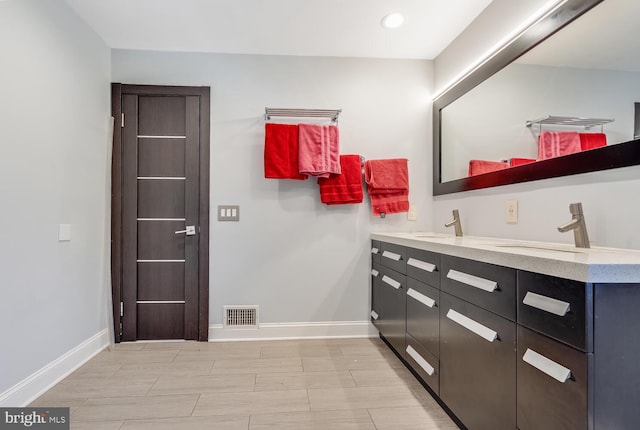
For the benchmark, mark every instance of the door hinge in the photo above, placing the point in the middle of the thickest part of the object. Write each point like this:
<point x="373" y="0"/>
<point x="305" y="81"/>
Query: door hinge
<point x="122" y="120"/>
<point x="121" y="309"/>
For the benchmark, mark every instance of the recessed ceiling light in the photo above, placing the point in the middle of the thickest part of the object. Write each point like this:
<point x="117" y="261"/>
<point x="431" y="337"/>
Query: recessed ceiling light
<point x="392" y="20"/>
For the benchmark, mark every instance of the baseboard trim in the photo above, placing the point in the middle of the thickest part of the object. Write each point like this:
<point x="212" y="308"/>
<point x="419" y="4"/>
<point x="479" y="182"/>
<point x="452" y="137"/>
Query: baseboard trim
<point x="32" y="387"/>
<point x="296" y="330"/>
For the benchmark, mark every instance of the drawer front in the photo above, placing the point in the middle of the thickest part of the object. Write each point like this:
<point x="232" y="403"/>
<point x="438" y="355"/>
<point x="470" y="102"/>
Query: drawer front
<point x="424" y="363"/>
<point x="547" y="399"/>
<point x="393" y="286"/>
<point x="375" y="251"/>
<point x="423" y="316"/>
<point x="559" y="308"/>
<point x="424" y="266"/>
<point x="486" y="285"/>
<point x="394" y="257"/>
<point x="477" y="365"/>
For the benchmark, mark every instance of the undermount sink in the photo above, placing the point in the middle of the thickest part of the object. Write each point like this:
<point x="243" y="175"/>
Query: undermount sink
<point x="432" y="235"/>
<point x="541" y="248"/>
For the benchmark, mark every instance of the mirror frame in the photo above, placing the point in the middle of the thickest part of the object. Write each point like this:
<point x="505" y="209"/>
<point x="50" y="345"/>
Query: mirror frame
<point x="608" y="157"/>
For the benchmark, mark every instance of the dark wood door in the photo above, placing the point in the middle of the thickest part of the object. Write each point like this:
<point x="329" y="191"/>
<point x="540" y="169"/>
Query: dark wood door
<point x="162" y="221"/>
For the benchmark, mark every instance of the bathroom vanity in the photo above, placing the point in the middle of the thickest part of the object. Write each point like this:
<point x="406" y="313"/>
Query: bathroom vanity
<point x="513" y="334"/>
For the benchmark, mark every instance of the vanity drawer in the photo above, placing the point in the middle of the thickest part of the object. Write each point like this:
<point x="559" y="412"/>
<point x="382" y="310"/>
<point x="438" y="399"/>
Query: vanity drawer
<point x="394" y="256"/>
<point x="552" y="383"/>
<point x="560" y="308"/>
<point x="393" y="287"/>
<point x="489" y="286"/>
<point x="423" y="266"/>
<point x="477" y="365"/>
<point x="375" y="251"/>
<point x="423" y="363"/>
<point x="423" y="316"/>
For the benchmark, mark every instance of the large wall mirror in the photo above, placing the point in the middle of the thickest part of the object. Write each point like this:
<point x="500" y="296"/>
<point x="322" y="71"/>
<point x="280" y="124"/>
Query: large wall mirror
<point x="561" y="99"/>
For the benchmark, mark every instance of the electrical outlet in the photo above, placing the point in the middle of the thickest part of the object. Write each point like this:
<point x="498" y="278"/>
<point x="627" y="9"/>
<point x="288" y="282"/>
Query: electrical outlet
<point x="511" y="211"/>
<point x="412" y="215"/>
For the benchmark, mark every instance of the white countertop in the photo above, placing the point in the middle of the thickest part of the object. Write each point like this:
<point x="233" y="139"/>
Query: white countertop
<point x="596" y="264"/>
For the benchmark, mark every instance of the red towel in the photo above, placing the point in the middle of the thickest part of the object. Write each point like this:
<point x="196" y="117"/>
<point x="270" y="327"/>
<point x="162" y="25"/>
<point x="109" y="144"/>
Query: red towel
<point x="478" y="167"/>
<point x="592" y="140"/>
<point x="345" y="188"/>
<point x="387" y="185"/>
<point x="513" y="162"/>
<point x="556" y="143"/>
<point x="319" y="150"/>
<point x="281" y="151"/>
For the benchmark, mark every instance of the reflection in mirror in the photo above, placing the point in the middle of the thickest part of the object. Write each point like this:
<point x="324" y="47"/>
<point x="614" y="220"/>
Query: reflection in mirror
<point x="578" y="72"/>
<point x="583" y="82"/>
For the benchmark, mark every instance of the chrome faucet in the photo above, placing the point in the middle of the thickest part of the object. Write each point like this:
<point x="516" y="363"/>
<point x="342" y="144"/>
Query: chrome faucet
<point x="455" y="223"/>
<point x="578" y="226"/>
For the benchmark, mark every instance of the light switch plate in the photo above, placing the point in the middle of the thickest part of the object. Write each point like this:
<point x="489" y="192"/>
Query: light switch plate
<point x="412" y="215"/>
<point x="64" y="232"/>
<point x="228" y="213"/>
<point x="511" y="211"/>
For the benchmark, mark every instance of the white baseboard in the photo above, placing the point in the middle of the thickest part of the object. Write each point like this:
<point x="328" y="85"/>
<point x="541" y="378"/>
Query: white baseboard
<point x="29" y="389"/>
<point x="296" y="330"/>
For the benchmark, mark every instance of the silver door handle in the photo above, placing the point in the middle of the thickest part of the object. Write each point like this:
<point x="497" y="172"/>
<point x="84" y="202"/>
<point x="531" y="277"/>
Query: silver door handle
<point x="189" y="231"/>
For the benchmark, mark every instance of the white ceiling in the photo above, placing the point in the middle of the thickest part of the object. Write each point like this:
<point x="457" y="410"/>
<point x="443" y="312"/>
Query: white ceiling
<point x="339" y="28"/>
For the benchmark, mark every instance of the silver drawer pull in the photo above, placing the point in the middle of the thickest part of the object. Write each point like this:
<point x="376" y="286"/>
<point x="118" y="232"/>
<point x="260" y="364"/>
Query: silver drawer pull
<point x="543" y="364"/>
<point x="391" y="255"/>
<point x="375" y="273"/>
<point x="474" y="281"/>
<point x="421" y="361"/>
<point x="395" y="284"/>
<point x="423" y="265"/>
<point x="374" y="250"/>
<point x="473" y="326"/>
<point x="547" y="304"/>
<point x="425" y="300"/>
<point x="374" y="315"/>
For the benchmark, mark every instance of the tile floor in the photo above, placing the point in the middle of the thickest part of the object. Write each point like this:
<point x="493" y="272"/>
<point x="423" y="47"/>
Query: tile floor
<point x="326" y="384"/>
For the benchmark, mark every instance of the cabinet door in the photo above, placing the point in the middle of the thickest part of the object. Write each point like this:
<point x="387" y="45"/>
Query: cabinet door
<point x="377" y="298"/>
<point x="477" y="365"/>
<point x="425" y="364"/>
<point x="552" y="384"/>
<point x="423" y="316"/>
<point x="393" y="287"/>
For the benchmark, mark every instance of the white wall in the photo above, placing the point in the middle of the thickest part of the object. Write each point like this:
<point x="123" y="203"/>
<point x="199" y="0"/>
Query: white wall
<point x="300" y="260"/>
<point x="608" y="197"/>
<point x="54" y="105"/>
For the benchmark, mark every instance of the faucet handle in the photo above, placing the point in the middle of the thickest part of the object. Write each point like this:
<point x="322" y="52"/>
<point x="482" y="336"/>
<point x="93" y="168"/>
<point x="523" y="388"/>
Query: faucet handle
<point x="575" y="208"/>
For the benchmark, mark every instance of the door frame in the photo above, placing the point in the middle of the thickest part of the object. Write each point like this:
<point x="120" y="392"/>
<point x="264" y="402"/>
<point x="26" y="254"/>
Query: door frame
<point x="117" y="90"/>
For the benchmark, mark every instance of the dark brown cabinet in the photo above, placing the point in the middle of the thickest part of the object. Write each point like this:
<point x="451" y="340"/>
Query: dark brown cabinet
<point x="505" y="348"/>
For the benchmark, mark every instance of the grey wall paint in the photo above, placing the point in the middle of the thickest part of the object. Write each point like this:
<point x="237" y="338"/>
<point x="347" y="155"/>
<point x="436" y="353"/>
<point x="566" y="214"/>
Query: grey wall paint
<point x="300" y="260"/>
<point x="608" y="197"/>
<point x="54" y="108"/>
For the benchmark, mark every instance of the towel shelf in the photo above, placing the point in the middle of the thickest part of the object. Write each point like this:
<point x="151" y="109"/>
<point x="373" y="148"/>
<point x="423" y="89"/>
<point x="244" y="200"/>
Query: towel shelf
<point x="574" y="121"/>
<point x="332" y="114"/>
